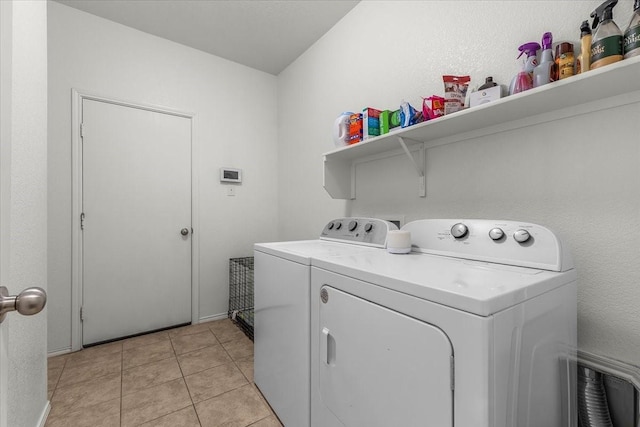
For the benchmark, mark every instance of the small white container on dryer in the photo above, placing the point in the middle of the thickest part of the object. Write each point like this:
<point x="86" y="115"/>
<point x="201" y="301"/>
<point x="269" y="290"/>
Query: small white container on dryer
<point x="398" y="242"/>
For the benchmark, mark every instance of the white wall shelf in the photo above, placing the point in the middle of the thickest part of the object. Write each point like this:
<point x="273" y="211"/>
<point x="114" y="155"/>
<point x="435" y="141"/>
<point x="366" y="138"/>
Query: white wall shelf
<point x="572" y="96"/>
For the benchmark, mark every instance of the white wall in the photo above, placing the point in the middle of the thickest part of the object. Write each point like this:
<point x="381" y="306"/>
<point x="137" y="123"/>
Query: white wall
<point x="24" y="199"/>
<point x="235" y="125"/>
<point x="577" y="176"/>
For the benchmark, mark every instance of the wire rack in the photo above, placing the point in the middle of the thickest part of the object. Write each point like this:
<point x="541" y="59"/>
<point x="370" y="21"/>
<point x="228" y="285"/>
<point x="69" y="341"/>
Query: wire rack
<point x="241" y="293"/>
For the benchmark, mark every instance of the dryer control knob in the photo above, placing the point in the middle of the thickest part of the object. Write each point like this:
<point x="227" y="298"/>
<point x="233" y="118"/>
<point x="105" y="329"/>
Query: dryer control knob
<point x="368" y="227"/>
<point x="521" y="236"/>
<point x="338" y="226"/>
<point x="353" y="225"/>
<point x="330" y="226"/>
<point x="496" y="233"/>
<point x="459" y="230"/>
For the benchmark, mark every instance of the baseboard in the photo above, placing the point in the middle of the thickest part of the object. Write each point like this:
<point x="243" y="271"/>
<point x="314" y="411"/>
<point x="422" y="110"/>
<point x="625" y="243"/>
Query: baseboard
<point x="201" y="320"/>
<point x="213" y="317"/>
<point x="45" y="415"/>
<point x="58" y="352"/>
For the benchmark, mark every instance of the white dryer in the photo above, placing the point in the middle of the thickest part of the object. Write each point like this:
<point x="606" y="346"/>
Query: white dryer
<point x="282" y="274"/>
<point x="475" y="327"/>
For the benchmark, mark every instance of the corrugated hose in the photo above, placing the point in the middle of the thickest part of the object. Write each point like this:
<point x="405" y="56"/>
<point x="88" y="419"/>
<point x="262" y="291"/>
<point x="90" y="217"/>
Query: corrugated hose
<point x="592" y="399"/>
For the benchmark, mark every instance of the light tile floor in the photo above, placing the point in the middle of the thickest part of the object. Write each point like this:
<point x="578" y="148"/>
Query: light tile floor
<point x="198" y="375"/>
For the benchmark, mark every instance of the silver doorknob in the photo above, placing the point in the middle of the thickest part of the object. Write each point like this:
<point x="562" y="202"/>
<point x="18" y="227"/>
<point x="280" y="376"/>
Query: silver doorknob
<point x="184" y="231"/>
<point x="28" y="302"/>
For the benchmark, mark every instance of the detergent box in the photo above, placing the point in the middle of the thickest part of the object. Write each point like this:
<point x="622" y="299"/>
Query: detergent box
<point x="355" y="128"/>
<point x="370" y="122"/>
<point x="389" y="120"/>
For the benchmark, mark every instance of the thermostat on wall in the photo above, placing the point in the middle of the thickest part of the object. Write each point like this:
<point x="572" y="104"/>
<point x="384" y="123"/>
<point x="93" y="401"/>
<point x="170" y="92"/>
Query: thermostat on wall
<point x="230" y="175"/>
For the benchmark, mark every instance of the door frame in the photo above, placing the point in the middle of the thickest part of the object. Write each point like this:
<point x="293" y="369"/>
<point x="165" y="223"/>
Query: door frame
<point x="78" y="97"/>
<point x="6" y="67"/>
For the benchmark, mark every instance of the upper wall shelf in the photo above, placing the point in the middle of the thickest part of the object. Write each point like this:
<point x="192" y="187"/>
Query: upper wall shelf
<point x="616" y="79"/>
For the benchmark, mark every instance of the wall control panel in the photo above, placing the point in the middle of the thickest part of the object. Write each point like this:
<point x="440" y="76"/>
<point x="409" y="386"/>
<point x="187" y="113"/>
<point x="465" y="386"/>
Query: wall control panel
<point x="231" y="175"/>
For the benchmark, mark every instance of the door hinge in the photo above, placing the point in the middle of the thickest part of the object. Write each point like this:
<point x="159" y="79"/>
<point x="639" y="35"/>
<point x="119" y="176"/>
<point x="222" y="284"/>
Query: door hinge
<point x="81" y="130"/>
<point x="81" y="314"/>
<point x="453" y="374"/>
<point x="82" y="221"/>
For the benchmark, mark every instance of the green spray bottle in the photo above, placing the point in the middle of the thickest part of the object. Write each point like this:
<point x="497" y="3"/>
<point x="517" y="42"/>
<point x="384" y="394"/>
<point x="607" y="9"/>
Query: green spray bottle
<point x="606" y="45"/>
<point x="632" y="34"/>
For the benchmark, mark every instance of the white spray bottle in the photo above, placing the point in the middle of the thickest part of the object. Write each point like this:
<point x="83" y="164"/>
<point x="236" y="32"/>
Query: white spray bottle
<point x="524" y="79"/>
<point x="542" y="73"/>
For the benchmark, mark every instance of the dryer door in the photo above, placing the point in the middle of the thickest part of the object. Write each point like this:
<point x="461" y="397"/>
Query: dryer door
<point x="378" y="367"/>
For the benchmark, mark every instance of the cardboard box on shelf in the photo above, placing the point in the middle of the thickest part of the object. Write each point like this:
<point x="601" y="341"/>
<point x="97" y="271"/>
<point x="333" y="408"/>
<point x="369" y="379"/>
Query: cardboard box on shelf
<point x="485" y="95"/>
<point x="370" y="123"/>
<point x="355" y="128"/>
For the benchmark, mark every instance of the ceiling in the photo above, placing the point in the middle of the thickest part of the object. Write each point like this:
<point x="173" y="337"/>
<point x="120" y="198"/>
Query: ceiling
<point x="264" y="34"/>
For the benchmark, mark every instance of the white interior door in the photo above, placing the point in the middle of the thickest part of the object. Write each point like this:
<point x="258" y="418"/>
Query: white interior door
<point x="23" y="207"/>
<point x="5" y="190"/>
<point x="136" y="233"/>
<point x="380" y="368"/>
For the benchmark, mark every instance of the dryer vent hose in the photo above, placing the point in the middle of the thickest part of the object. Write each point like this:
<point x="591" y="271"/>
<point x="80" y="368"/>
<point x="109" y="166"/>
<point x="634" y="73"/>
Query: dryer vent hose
<point x="592" y="399"/>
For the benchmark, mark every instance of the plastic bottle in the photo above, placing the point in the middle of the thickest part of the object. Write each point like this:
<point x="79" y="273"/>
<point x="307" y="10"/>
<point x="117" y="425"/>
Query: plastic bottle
<point x="606" y="45"/>
<point x="522" y="82"/>
<point x="524" y="79"/>
<point x="489" y="83"/>
<point x="564" y="60"/>
<point x="583" y="63"/>
<point x="632" y="34"/>
<point x="542" y="73"/>
<point x="341" y="129"/>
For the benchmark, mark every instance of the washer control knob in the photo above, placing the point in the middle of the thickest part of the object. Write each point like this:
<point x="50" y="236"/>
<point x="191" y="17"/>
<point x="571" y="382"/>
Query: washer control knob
<point x="368" y="227"/>
<point x="459" y="230"/>
<point x="521" y="236"/>
<point x="353" y="225"/>
<point x="330" y="226"/>
<point x="338" y="226"/>
<point x="496" y="233"/>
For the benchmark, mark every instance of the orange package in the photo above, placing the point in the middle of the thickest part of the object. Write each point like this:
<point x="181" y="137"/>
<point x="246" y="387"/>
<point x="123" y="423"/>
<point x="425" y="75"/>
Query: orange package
<point x="355" y="128"/>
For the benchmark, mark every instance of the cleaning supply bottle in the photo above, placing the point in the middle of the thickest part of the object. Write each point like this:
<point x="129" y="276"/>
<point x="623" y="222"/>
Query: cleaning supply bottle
<point x="542" y="73"/>
<point x="564" y="60"/>
<point x="583" y="63"/>
<point x="524" y="79"/>
<point x="521" y="82"/>
<point x="606" y="45"/>
<point x="632" y="34"/>
<point x="489" y="83"/>
<point x="341" y="129"/>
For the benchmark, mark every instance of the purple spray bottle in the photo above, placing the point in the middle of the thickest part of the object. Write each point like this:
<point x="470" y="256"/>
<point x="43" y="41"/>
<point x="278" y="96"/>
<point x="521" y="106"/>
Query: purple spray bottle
<point x="542" y="73"/>
<point x="524" y="79"/>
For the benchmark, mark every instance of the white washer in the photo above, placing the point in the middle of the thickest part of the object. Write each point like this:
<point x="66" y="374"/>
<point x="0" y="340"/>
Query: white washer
<point x="476" y="327"/>
<point x="282" y="309"/>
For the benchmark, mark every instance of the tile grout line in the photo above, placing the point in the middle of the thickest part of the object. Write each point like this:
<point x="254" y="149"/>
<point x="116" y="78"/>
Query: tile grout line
<point x="121" y="383"/>
<point x="177" y="410"/>
<point x="193" y="405"/>
<point x="55" y="387"/>
<point x="66" y="362"/>
<point x="262" y="419"/>
<point x="249" y="382"/>
<point x="255" y="387"/>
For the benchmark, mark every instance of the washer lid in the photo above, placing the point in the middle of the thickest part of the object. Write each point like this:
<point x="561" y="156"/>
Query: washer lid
<point x="477" y="287"/>
<point x="301" y="251"/>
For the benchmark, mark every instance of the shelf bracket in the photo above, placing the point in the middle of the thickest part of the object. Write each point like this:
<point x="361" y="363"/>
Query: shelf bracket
<point x="420" y="169"/>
